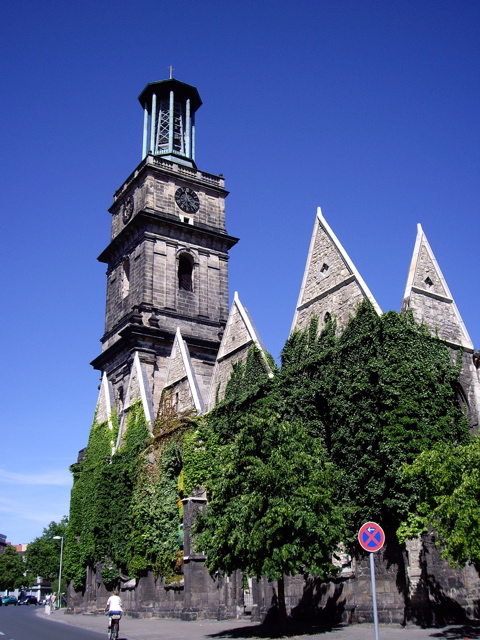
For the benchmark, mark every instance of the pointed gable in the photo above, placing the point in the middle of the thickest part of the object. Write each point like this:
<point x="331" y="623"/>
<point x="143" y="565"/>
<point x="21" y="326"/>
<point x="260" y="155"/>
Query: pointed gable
<point x="137" y="388"/>
<point x="331" y="283"/>
<point x="428" y="296"/>
<point x="103" y="411"/>
<point x="240" y="334"/>
<point x="181" y="377"/>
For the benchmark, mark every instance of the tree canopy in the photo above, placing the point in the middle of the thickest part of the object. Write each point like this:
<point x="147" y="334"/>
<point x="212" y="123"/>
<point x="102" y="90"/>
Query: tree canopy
<point x="448" y="481"/>
<point x="42" y="557"/>
<point x="12" y="569"/>
<point x="272" y="508"/>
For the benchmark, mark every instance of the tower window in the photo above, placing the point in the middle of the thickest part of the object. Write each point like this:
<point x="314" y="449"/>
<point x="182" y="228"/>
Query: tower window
<point x="185" y="273"/>
<point x="428" y="281"/>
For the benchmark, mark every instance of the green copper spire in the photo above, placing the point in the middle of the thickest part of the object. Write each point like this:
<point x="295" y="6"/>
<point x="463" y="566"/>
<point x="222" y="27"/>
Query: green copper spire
<point x="169" y="120"/>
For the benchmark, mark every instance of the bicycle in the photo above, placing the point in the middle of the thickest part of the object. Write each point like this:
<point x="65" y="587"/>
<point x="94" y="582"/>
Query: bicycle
<point x="114" y="625"/>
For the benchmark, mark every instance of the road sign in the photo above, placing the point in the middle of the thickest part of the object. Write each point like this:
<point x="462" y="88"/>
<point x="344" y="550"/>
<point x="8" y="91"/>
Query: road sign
<point x="371" y="537"/>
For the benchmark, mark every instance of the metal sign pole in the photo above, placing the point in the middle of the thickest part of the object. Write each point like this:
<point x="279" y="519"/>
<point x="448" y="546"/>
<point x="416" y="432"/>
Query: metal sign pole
<point x="372" y="538"/>
<point x="374" y="595"/>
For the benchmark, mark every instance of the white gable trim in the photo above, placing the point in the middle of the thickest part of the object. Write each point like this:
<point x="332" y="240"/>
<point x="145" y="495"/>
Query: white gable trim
<point x="421" y="240"/>
<point x="144" y="389"/>
<point x="192" y="379"/>
<point x="321" y="222"/>
<point x="251" y="331"/>
<point x="254" y="338"/>
<point x="108" y="391"/>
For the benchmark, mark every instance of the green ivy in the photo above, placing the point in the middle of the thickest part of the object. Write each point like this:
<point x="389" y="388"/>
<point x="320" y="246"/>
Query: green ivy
<point x="378" y="394"/>
<point x="365" y="402"/>
<point x="124" y="507"/>
<point x="155" y="514"/>
<point x="100" y="508"/>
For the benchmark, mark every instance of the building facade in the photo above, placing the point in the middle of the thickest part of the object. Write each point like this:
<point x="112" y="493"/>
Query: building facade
<point x="168" y="329"/>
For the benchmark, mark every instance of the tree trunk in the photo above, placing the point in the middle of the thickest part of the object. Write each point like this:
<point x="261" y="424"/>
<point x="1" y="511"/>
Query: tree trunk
<point x="282" y="610"/>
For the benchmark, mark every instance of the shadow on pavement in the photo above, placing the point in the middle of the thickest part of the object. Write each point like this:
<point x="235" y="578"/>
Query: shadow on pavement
<point x="275" y="631"/>
<point x="469" y="631"/>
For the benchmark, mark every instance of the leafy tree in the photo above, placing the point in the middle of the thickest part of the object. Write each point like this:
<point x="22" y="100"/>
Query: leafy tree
<point x="448" y="480"/>
<point x="272" y="509"/>
<point x="42" y="556"/>
<point x="12" y="569"/>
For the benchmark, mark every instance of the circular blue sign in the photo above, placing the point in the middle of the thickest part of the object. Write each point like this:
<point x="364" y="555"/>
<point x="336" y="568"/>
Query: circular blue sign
<point x="371" y="537"/>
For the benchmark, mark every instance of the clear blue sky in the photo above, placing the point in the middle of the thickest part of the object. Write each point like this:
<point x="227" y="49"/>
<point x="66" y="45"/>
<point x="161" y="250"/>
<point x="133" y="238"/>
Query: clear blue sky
<point x="369" y="109"/>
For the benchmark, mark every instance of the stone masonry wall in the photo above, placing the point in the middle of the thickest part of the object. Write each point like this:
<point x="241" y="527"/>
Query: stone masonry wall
<point x="340" y="304"/>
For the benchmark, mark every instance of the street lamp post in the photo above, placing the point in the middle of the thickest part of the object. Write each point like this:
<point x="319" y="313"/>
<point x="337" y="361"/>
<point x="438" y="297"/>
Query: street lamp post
<point x="60" y="571"/>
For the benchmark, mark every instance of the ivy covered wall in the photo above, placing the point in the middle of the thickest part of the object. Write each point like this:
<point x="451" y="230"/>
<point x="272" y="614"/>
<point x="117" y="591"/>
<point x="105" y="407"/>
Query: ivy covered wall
<point x="365" y="401"/>
<point x="124" y="506"/>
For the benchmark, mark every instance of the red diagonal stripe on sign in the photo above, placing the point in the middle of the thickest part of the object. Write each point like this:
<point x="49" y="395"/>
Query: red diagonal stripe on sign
<point x="370" y="537"/>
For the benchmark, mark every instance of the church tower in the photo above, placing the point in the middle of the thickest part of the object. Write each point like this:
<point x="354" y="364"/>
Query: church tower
<point x="167" y="263"/>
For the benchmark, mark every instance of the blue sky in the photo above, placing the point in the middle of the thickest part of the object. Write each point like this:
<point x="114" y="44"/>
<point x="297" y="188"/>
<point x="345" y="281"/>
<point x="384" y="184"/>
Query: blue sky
<point x="366" y="108"/>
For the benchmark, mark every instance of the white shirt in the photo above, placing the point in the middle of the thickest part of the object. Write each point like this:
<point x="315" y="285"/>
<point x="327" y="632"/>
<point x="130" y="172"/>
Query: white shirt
<point x="114" y="603"/>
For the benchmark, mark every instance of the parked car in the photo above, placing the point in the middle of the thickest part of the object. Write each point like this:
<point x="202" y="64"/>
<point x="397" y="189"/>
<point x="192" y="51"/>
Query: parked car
<point x="28" y="600"/>
<point x="6" y="600"/>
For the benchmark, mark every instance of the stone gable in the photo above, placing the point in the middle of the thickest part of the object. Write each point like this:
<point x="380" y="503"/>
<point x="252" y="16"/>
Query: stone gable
<point x="331" y="284"/>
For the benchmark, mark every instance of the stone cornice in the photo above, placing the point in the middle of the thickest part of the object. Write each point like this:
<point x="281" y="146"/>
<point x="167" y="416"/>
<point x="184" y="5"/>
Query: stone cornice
<point x="171" y="169"/>
<point x="326" y="293"/>
<point x="165" y="223"/>
<point x="432" y="294"/>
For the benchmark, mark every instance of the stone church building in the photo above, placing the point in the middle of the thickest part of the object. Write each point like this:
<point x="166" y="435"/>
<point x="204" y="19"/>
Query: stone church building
<point x="168" y="326"/>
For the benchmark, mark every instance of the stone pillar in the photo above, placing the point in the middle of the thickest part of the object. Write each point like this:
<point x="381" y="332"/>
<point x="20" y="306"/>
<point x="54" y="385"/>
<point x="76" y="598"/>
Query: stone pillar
<point x="201" y="592"/>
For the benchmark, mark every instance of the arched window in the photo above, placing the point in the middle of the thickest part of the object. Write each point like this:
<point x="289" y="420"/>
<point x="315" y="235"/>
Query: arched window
<point x="185" y="272"/>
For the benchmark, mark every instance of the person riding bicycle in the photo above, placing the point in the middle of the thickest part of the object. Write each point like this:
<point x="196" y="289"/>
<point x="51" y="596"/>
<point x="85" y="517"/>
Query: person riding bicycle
<point x="114" y="605"/>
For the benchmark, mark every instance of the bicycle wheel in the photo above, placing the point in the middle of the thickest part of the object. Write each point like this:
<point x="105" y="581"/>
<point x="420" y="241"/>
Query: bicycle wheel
<point x="115" y="626"/>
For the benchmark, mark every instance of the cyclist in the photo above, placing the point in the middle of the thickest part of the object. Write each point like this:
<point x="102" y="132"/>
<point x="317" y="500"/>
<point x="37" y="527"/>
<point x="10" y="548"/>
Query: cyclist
<point x="114" y="605"/>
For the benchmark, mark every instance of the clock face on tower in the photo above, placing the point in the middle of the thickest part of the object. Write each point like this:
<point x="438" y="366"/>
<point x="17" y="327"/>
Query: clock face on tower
<point x="127" y="209"/>
<point x="187" y="199"/>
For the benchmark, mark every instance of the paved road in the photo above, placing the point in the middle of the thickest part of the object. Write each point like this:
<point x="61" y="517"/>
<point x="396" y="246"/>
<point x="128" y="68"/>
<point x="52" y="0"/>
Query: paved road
<point x="173" y="629"/>
<point x="22" y="623"/>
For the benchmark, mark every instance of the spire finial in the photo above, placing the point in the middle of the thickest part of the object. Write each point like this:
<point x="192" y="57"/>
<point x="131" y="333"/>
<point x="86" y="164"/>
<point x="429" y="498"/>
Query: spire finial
<point x="171" y="71"/>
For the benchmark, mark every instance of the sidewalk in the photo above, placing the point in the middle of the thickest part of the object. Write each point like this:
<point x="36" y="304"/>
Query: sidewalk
<point x="174" y="629"/>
